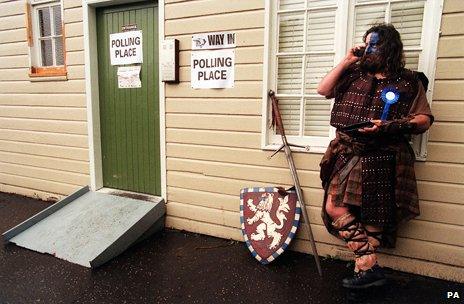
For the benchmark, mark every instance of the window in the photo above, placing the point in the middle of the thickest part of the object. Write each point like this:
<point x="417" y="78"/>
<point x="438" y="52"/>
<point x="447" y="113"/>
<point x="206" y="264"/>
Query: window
<point x="46" y="39"/>
<point x="307" y="38"/>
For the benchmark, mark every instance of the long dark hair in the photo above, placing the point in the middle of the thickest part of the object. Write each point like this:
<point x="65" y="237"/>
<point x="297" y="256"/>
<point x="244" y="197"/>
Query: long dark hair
<point x="390" y="47"/>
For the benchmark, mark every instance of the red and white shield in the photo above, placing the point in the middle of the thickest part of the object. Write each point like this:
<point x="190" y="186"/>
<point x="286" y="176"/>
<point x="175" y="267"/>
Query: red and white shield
<point x="269" y="221"/>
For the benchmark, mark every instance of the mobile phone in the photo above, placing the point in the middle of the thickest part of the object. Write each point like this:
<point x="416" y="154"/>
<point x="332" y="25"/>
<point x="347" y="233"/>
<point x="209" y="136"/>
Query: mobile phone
<point x="357" y="126"/>
<point x="359" y="52"/>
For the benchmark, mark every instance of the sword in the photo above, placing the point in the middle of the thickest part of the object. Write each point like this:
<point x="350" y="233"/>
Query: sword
<point x="277" y="121"/>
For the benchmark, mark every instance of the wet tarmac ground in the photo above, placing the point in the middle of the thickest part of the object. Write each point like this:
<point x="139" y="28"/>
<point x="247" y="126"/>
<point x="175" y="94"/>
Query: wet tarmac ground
<point x="180" y="267"/>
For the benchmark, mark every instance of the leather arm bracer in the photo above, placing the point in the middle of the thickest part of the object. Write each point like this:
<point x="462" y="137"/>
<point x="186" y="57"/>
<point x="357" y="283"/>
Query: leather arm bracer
<point x="398" y="126"/>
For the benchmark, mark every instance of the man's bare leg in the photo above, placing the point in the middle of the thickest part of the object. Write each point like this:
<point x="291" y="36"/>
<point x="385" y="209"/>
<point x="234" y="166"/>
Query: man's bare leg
<point x="362" y="240"/>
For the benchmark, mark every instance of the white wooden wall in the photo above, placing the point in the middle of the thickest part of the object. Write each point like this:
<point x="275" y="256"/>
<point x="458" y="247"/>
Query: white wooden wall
<point x="43" y="128"/>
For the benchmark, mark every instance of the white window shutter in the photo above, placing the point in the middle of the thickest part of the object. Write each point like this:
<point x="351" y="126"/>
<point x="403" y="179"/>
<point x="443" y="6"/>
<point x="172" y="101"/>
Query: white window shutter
<point x="407" y="17"/>
<point x="289" y="75"/>
<point x="305" y="57"/>
<point x="320" y="39"/>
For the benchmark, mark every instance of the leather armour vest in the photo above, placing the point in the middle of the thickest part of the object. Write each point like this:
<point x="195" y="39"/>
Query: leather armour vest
<point x="358" y="97"/>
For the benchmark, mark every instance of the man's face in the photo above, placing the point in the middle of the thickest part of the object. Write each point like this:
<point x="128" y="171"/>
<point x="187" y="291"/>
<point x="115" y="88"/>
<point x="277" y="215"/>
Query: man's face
<point x="372" y="61"/>
<point x="372" y="41"/>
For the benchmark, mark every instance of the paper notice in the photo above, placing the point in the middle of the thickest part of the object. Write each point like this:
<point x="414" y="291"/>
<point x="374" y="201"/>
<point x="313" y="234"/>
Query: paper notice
<point x="129" y="77"/>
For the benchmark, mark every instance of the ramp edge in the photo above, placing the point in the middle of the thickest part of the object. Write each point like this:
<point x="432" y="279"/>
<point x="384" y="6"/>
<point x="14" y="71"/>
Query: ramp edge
<point x="8" y="235"/>
<point x="130" y="237"/>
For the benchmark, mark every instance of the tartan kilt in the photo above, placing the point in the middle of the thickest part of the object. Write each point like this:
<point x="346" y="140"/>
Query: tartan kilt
<point x="349" y="191"/>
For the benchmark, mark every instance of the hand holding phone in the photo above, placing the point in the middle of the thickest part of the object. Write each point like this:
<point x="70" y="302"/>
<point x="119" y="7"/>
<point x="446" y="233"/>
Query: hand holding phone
<point x="359" y="52"/>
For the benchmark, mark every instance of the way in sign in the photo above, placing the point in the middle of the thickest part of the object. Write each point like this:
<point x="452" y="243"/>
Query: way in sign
<point x="218" y="39"/>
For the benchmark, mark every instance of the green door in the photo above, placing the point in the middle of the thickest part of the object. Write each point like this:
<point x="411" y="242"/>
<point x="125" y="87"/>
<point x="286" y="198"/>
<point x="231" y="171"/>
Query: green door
<point x="129" y="117"/>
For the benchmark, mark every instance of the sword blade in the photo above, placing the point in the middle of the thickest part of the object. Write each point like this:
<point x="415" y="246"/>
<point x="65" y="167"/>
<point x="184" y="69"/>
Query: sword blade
<point x="299" y="193"/>
<point x="296" y="181"/>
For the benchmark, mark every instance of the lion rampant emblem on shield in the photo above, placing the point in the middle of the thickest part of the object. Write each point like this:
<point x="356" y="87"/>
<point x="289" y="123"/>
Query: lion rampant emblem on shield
<point x="269" y="219"/>
<point x="263" y="213"/>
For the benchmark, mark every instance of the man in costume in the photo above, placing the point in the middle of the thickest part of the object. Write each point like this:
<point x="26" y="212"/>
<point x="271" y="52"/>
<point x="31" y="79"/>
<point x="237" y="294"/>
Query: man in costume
<point x="368" y="172"/>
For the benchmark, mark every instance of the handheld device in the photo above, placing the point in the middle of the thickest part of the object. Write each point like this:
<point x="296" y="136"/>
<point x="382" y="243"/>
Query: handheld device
<point x="359" y="52"/>
<point x="356" y="126"/>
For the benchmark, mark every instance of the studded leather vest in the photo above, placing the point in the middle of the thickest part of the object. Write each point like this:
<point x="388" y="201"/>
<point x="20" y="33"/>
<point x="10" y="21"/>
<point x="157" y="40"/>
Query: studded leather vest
<point x="358" y="96"/>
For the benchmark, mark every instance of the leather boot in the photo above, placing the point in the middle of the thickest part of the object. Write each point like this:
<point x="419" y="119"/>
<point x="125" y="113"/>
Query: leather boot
<point x="366" y="278"/>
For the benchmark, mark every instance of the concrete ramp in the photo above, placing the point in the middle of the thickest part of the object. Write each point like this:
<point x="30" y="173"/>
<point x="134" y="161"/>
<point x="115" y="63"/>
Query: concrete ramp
<point x="89" y="228"/>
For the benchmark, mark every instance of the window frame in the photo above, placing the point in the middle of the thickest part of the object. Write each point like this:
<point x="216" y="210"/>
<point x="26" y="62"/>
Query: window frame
<point x="343" y="36"/>
<point x="35" y="59"/>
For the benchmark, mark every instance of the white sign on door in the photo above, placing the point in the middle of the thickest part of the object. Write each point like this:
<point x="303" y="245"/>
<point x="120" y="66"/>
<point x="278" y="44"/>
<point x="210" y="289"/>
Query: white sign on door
<point x="126" y="48"/>
<point x="209" y="41"/>
<point x="212" y="69"/>
<point x="129" y="77"/>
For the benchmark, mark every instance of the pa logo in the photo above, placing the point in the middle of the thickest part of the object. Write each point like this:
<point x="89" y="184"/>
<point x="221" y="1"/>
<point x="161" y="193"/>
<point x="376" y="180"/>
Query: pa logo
<point x="452" y="295"/>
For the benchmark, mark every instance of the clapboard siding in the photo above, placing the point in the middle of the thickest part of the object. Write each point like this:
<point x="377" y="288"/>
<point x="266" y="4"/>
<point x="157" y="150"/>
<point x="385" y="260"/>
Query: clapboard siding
<point x="228" y="22"/>
<point x="12" y="8"/>
<point x="448" y="111"/>
<point x="241" y="89"/>
<point x="36" y="99"/>
<point x="61" y="139"/>
<point x="17" y="48"/>
<point x="56" y="151"/>
<point x="11" y="22"/>
<point x="43" y="125"/>
<point x="214" y="138"/>
<point x="42" y="184"/>
<point x="14" y="74"/>
<point x="447" y="132"/>
<point x="75" y="58"/>
<point x="451" y="46"/>
<point x="74" y="29"/>
<point x="214" y="106"/>
<point x="45" y="162"/>
<point x="432" y="211"/>
<point x="73" y="14"/>
<point x="72" y="3"/>
<point x="232" y="219"/>
<point x="419" y="249"/>
<point x="231" y="155"/>
<point x="449" y="68"/>
<point x="54" y="126"/>
<point x="12" y="60"/>
<point x="12" y="35"/>
<point x="51" y="174"/>
<point x="214" y="122"/>
<point x="446" y="152"/>
<point x="264" y="174"/>
<point x="210" y="7"/>
<point x="213" y="144"/>
<point x="75" y="43"/>
<point x="56" y="113"/>
<point x="449" y="89"/>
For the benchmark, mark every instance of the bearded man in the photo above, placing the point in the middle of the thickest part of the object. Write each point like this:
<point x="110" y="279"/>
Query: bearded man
<point x="368" y="172"/>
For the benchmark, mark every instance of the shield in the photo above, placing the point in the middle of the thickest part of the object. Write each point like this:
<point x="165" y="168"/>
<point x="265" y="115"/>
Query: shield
<point x="269" y="219"/>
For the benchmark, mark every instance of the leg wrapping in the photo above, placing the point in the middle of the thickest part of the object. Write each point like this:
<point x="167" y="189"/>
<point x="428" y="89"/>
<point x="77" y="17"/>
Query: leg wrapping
<point x="358" y="240"/>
